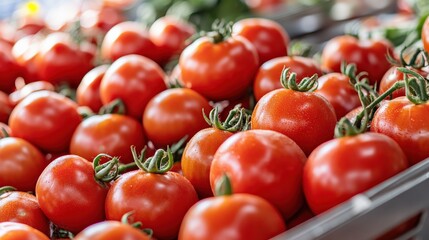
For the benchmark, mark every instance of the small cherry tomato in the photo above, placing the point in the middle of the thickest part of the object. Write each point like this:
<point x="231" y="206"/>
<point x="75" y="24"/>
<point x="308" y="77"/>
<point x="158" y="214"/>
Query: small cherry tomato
<point x="19" y="94"/>
<point x="108" y="230"/>
<point x="88" y="91"/>
<point x="15" y="231"/>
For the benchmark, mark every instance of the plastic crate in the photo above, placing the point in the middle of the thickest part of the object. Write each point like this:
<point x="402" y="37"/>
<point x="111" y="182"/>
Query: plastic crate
<point x="373" y="213"/>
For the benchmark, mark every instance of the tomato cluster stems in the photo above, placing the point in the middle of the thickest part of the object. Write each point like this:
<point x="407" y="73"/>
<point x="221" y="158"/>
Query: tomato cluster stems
<point x="125" y="219"/>
<point x="307" y="84"/>
<point x="416" y="87"/>
<point x="105" y="172"/>
<point x="115" y="106"/>
<point x="238" y="119"/>
<point x="161" y="162"/>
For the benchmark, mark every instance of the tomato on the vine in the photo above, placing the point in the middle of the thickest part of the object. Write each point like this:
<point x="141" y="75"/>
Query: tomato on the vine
<point x="174" y="114"/>
<point x="46" y="119"/>
<point x="69" y="194"/>
<point x="14" y="231"/>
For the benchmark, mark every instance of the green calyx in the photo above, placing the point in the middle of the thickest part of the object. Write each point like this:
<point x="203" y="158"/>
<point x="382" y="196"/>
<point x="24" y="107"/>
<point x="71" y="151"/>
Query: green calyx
<point x="115" y="106"/>
<point x="418" y="59"/>
<point x="221" y="30"/>
<point x="307" y="84"/>
<point x="238" y="119"/>
<point x="223" y="186"/>
<point x="108" y="171"/>
<point x="4" y="133"/>
<point x="6" y="189"/>
<point x="350" y="71"/>
<point x="161" y="162"/>
<point x="416" y="87"/>
<point x="125" y="219"/>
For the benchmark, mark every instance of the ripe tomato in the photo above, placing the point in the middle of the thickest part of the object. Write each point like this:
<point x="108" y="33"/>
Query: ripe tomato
<point x="15" y="231"/>
<point x="405" y="123"/>
<point x="268" y="76"/>
<point x="368" y="55"/>
<point x="135" y="80"/>
<point x="307" y="118"/>
<point x="170" y="35"/>
<point x="88" y="91"/>
<point x="60" y="61"/>
<point x="19" y="94"/>
<point x="198" y="156"/>
<point x="343" y="167"/>
<point x="99" y="21"/>
<point x="25" y="52"/>
<point x="269" y="37"/>
<point x="128" y="38"/>
<point x="20" y="164"/>
<point x="219" y="69"/>
<point x="249" y="157"/>
<point x="159" y="201"/>
<point x="112" y="134"/>
<point x="392" y="76"/>
<point x="9" y="68"/>
<point x="46" y="119"/>
<point x="425" y="35"/>
<point x="237" y="216"/>
<point x="23" y="208"/>
<point x="6" y="107"/>
<point x="338" y="90"/>
<point x="108" y="230"/>
<point x="174" y="114"/>
<point x="69" y="195"/>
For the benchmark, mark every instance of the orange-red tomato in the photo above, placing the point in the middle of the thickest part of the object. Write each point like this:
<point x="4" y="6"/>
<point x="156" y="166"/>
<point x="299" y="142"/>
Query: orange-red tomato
<point x="108" y="230"/>
<point x="88" y="91"/>
<point x="15" y="231"/>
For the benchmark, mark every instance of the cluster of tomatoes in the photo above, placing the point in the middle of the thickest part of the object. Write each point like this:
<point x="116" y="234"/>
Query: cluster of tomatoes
<point x="238" y="141"/>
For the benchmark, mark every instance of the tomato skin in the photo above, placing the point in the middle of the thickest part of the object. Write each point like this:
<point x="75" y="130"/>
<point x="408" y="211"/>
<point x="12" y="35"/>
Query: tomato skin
<point x="112" y="134"/>
<point x="173" y="114"/>
<point x="297" y="115"/>
<point x="17" y="231"/>
<point x="69" y="195"/>
<point x="23" y="208"/>
<point x="344" y="167"/>
<point x="337" y="89"/>
<point x="219" y="71"/>
<point x="425" y="35"/>
<point x="269" y="38"/>
<point x="5" y="107"/>
<point x="107" y="230"/>
<point x="25" y="52"/>
<point x="368" y="55"/>
<point x="19" y="94"/>
<point x="128" y="38"/>
<point x="405" y="123"/>
<point x="100" y="20"/>
<point x="20" y="163"/>
<point x="198" y="156"/>
<point x="159" y="201"/>
<point x="9" y="68"/>
<point x="135" y="80"/>
<point x="249" y="157"/>
<point x="392" y="76"/>
<point x="60" y="61"/>
<point x="46" y="119"/>
<point x="268" y="76"/>
<point x="88" y="91"/>
<point x="237" y="216"/>
<point x="170" y="34"/>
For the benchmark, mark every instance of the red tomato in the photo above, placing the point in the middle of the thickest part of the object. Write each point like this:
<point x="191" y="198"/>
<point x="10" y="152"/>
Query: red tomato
<point x="159" y="201"/>
<point x="338" y="90"/>
<point x="392" y="76"/>
<point x="343" y="167"/>
<point x="170" y="35"/>
<point x="307" y="118"/>
<point x="173" y="114"/>
<point x="6" y="107"/>
<point x="249" y="157"/>
<point x="268" y="76"/>
<point x="19" y="94"/>
<point x="264" y="6"/>
<point x="69" y="195"/>
<point x="9" y="68"/>
<point x="237" y="216"/>
<point x="368" y="55"/>
<point x="128" y="38"/>
<point x="112" y="134"/>
<point x="425" y="35"/>
<point x="269" y="37"/>
<point x="25" y="52"/>
<point x="219" y="70"/>
<point x="198" y="156"/>
<point x="108" y="230"/>
<point x="20" y="163"/>
<point x="45" y="119"/>
<point x="88" y="91"/>
<point x="60" y="61"/>
<point x="99" y="21"/>
<point x="15" y="231"/>
<point x="135" y="80"/>
<point x="23" y="208"/>
<point x="405" y="123"/>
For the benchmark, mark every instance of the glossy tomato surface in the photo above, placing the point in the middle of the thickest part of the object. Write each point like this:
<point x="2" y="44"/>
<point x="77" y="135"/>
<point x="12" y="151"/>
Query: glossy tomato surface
<point x="108" y="230"/>
<point x="18" y="231"/>
<point x="88" y="91"/>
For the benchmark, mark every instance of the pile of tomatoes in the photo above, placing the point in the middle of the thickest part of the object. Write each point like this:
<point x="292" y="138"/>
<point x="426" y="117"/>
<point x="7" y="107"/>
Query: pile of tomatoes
<point x="118" y="131"/>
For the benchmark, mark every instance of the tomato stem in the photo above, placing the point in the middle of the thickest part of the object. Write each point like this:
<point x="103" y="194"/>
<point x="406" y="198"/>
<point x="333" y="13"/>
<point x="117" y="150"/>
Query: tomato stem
<point x="4" y="133"/>
<point x="238" y="119"/>
<point x="108" y="171"/>
<point x="6" y="189"/>
<point x="125" y="219"/>
<point x="126" y="167"/>
<point x="416" y="87"/>
<point x="220" y="31"/>
<point x="85" y="112"/>
<point x="161" y="162"/>
<point x="418" y="60"/>
<point x="307" y="84"/>
<point x="223" y="186"/>
<point x="350" y="71"/>
<point x="115" y="106"/>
